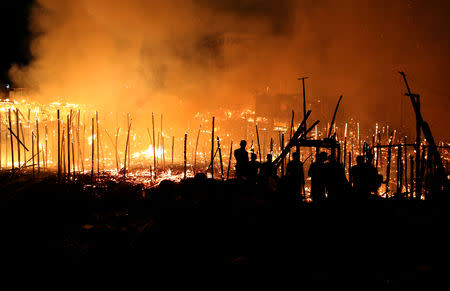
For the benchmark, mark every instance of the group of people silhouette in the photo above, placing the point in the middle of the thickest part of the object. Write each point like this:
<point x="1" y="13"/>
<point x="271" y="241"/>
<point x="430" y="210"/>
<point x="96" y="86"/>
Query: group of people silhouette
<point x="328" y="178"/>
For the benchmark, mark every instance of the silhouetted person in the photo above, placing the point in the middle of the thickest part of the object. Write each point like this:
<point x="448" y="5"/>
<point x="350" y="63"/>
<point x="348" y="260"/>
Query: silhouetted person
<point x="267" y="168"/>
<point x="296" y="177"/>
<point x="335" y="180"/>
<point x="253" y="167"/>
<point x="241" y="156"/>
<point x="360" y="178"/>
<point x="317" y="173"/>
<point x="267" y="174"/>
<point x="373" y="178"/>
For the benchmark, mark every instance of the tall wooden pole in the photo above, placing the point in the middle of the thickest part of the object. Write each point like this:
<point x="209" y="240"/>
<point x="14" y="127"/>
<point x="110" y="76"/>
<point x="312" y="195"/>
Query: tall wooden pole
<point x="220" y="158"/>
<point x="291" y="131"/>
<point x="196" y="146"/>
<point x="282" y="149"/>
<point x="212" y="148"/>
<point x="24" y="150"/>
<point x="80" y="159"/>
<point x="259" y="146"/>
<point x="18" y="135"/>
<point x="154" y="144"/>
<point x="345" y="145"/>
<point x="32" y="150"/>
<point x="185" y="157"/>
<point x="12" y="143"/>
<point x="38" y="147"/>
<point x="405" y="158"/>
<point x="1" y="122"/>
<point x="68" y="146"/>
<point x="92" y="150"/>
<point x="59" y="145"/>
<point x="229" y="160"/>
<point x="162" y="145"/>
<point x="126" y="151"/>
<point x="304" y="97"/>
<point x="388" y="167"/>
<point x="46" y="147"/>
<point x="411" y="176"/>
<point x="399" y="170"/>
<point x="416" y="104"/>
<point x="63" y="155"/>
<point x="98" y="144"/>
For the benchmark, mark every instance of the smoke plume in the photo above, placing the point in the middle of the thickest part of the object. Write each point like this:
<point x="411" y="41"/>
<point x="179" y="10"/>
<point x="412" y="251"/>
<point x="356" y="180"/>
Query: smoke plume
<point x="184" y="56"/>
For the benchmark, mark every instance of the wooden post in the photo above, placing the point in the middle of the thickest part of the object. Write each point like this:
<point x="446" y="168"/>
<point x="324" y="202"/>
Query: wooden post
<point x="345" y="145"/>
<point x="334" y="116"/>
<point x="162" y="145"/>
<point x="63" y="152"/>
<point x="185" y="157"/>
<point x="282" y="148"/>
<point x="291" y="131"/>
<point x="38" y="147"/>
<point x="117" y="150"/>
<point x="220" y="158"/>
<point x="12" y="143"/>
<point x="229" y="160"/>
<point x="126" y="151"/>
<point x="98" y="144"/>
<point x="196" y="146"/>
<point x="154" y="145"/>
<point x="411" y="176"/>
<point x="399" y="170"/>
<point x="18" y="135"/>
<point x="128" y="143"/>
<point x="32" y="150"/>
<point x="388" y="167"/>
<point x="420" y="176"/>
<point x="406" y="164"/>
<point x="212" y="148"/>
<point x="1" y="122"/>
<point x="259" y="147"/>
<point x="59" y="145"/>
<point x="68" y="146"/>
<point x="46" y="147"/>
<point x="93" y="151"/>
<point x="24" y="150"/>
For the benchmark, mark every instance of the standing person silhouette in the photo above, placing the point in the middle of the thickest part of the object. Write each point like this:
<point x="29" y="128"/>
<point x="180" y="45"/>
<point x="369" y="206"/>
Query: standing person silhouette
<point x="317" y="172"/>
<point x="241" y="156"/>
<point x="253" y="167"/>
<point x="336" y="182"/>
<point x="295" y="174"/>
<point x="360" y="178"/>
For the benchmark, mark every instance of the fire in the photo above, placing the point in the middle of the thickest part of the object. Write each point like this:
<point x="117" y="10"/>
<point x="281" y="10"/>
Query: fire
<point x="163" y="149"/>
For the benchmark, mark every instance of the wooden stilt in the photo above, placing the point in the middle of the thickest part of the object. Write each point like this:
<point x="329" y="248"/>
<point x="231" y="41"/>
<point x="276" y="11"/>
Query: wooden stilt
<point x="212" y="148"/>
<point x="220" y="158"/>
<point x="185" y="157"/>
<point x="196" y="146"/>
<point x="18" y="135"/>
<point x="259" y="146"/>
<point x="154" y="145"/>
<point x="229" y="160"/>
<point x="59" y="145"/>
<point x="12" y="143"/>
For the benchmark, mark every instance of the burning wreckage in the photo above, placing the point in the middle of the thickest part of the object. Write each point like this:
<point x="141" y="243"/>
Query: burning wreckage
<point x="74" y="141"/>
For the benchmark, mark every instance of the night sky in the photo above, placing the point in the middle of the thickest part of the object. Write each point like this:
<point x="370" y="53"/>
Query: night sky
<point x="15" y="35"/>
